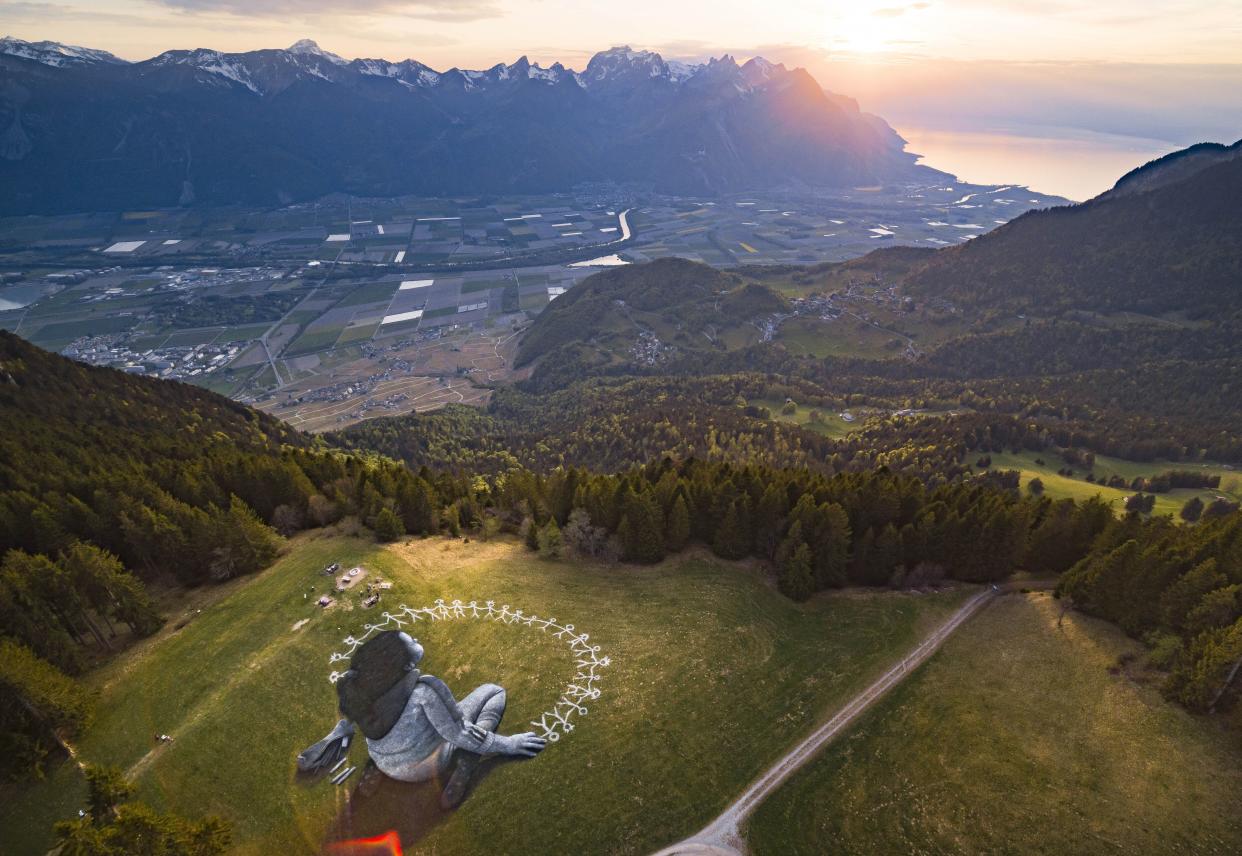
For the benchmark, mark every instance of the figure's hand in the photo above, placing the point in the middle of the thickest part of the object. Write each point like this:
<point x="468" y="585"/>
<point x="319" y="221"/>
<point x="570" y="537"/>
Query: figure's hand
<point x="527" y="744"/>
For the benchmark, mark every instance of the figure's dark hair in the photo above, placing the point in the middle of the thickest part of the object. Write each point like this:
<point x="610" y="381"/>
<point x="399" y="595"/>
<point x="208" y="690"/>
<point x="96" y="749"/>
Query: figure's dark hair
<point x="368" y="693"/>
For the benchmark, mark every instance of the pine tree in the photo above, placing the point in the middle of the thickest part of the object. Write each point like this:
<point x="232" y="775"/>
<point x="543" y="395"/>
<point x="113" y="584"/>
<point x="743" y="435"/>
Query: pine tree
<point x="677" y="527"/>
<point x="831" y="548"/>
<point x="530" y="534"/>
<point x="416" y="500"/>
<point x="550" y="543"/>
<point x="796" y="580"/>
<point x="112" y="591"/>
<point x="247" y="544"/>
<point x="114" y="825"/>
<point x="388" y="526"/>
<point x="1192" y="510"/>
<point x="641" y="531"/>
<point x="452" y="520"/>
<point x="767" y="522"/>
<point x="860" y="569"/>
<point x="731" y="536"/>
<point x="41" y="702"/>
<point x="885" y="556"/>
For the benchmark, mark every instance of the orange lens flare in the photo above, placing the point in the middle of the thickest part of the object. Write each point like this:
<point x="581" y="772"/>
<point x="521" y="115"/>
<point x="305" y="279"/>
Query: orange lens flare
<point x="388" y="844"/>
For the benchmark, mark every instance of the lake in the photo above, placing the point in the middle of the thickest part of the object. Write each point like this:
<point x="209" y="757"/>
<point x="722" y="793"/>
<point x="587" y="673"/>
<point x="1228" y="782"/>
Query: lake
<point x="1070" y="163"/>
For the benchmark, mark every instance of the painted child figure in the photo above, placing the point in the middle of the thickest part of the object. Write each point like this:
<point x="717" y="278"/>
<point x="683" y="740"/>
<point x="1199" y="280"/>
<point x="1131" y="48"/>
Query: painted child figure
<point x="414" y="728"/>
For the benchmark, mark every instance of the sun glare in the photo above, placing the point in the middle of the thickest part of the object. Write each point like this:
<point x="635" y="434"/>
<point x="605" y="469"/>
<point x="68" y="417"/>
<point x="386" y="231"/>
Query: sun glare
<point x="869" y="27"/>
<point x="864" y="34"/>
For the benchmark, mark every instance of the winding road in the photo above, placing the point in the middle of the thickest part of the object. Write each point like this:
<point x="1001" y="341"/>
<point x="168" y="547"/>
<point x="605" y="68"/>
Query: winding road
<point x="722" y="837"/>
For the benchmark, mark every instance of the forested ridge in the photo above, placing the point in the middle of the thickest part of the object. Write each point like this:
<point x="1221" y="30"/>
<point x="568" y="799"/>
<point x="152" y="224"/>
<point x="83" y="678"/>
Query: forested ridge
<point x="673" y="310"/>
<point x="1174" y="247"/>
<point x="109" y="482"/>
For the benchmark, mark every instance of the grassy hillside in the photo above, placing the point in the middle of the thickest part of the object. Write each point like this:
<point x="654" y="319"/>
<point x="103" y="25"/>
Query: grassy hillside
<point x="1075" y="487"/>
<point x="713" y="676"/>
<point x="1017" y="737"/>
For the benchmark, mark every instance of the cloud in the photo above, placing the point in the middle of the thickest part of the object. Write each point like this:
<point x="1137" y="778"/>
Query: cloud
<point x="46" y="12"/>
<point x="891" y="12"/>
<point x="451" y="11"/>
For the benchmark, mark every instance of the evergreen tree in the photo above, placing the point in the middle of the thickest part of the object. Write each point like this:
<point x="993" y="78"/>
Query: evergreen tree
<point x="114" y="826"/>
<point x="452" y="520"/>
<point x="247" y="544"/>
<point x="37" y="703"/>
<point x="731" y="541"/>
<point x="1192" y="510"/>
<point x="641" y="530"/>
<point x="416" y="499"/>
<point x="1185" y="594"/>
<point x="550" y="542"/>
<point x="885" y="557"/>
<point x="530" y="534"/>
<point x="796" y="579"/>
<point x="767" y="522"/>
<point x="832" y="547"/>
<point x="677" y="526"/>
<point x="111" y="590"/>
<point x="388" y="526"/>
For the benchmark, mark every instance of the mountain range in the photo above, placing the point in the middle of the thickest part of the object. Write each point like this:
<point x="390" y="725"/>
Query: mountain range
<point x="84" y="130"/>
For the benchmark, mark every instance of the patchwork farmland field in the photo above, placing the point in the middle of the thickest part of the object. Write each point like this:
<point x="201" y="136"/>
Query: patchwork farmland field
<point x="256" y="303"/>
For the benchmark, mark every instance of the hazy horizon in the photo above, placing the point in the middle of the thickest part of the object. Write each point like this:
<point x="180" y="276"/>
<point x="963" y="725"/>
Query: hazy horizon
<point x="1064" y="99"/>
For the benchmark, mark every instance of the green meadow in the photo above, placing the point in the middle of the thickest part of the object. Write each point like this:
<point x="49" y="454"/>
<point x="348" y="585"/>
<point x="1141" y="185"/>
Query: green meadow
<point x="830" y="424"/>
<point x="713" y="676"/>
<point x="1020" y="736"/>
<point x="1078" y="488"/>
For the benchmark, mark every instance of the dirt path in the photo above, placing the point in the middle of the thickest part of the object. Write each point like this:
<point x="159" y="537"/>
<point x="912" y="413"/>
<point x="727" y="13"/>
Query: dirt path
<point x="722" y="837"/>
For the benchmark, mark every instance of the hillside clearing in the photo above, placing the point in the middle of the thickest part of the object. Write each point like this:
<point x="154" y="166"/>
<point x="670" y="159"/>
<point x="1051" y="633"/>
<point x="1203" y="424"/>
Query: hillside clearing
<point x="1017" y="737"/>
<point x="714" y="675"/>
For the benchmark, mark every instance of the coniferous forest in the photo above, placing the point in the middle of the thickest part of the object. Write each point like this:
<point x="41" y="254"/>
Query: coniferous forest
<point x="111" y="482"/>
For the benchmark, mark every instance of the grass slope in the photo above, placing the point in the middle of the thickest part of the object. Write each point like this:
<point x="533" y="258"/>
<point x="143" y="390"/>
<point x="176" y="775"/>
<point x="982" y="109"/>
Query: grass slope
<point x="714" y="676"/>
<point x="830" y="424"/>
<point x="1016" y="738"/>
<point x="1077" y="488"/>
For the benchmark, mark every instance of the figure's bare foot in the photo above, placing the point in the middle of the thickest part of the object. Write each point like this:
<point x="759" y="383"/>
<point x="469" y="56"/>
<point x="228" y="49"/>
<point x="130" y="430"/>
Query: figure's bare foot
<point x="459" y="782"/>
<point x="370" y="781"/>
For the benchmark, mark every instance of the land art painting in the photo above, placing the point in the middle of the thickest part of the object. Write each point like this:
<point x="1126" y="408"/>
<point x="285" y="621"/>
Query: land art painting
<point x="445" y="749"/>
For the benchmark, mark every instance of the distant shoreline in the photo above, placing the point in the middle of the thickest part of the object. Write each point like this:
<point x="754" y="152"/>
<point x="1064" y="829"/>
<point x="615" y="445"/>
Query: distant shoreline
<point x="1066" y="162"/>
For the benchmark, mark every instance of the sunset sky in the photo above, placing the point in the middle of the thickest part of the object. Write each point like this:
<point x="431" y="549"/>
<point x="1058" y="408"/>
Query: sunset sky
<point x="1134" y="79"/>
<point x="482" y="32"/>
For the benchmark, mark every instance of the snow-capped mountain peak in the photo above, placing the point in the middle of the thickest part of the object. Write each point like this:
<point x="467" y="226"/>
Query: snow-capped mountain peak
<point x="757" y="71"/>
<point x="625" y="62"/>
<point x="679" y="71"/>
<point x="308" y="47"/>
<point x="55" y="54"/>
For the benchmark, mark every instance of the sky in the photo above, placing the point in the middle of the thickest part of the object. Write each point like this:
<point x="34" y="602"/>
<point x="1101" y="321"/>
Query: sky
<point x="1131" y="77"/>
<point x="482" y="32"/>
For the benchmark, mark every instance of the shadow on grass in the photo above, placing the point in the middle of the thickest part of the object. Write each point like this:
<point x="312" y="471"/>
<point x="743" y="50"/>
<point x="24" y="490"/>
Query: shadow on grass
<point x="383" y="812"/>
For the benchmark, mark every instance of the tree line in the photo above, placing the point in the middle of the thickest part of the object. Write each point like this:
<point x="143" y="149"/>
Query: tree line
<point x="1179" y="589"/>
